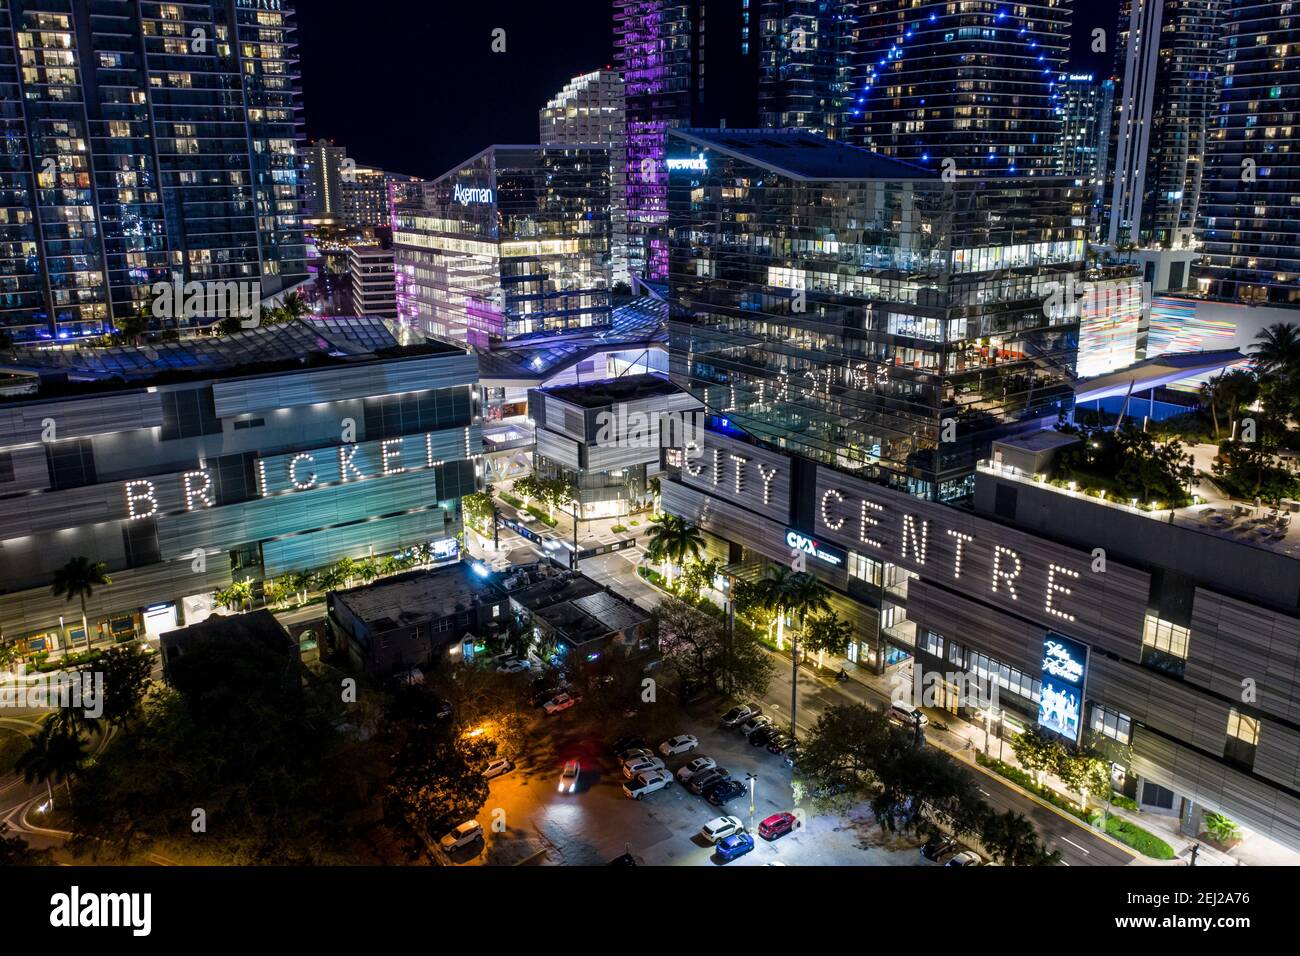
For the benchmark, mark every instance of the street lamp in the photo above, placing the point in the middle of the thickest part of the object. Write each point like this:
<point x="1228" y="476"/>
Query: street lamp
<point x="753" y="779"/>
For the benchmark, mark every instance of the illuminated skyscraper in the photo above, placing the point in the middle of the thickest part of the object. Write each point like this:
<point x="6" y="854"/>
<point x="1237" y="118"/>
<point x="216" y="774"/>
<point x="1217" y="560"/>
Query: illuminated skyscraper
<point x="806" y="64"/>
<point x="1250" y="213"/>
<point x="967" y="86"/>
<point x="144" y="142"/>
<point x="1166" y="56"/>
<point x="1085" y="107"/>
<point x="684" y="63"/>
<point x="589" y="111"/>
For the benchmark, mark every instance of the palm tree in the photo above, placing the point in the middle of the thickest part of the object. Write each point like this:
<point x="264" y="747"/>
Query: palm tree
<point x="673" y="540"/>
<point x="78" y="579"/>
<point x="295" y="306"/>
<point x="391" y="564"/>
<point x="54" y="755"/>
<point x="799" y="594"/>
<point x="1277" y="350"/>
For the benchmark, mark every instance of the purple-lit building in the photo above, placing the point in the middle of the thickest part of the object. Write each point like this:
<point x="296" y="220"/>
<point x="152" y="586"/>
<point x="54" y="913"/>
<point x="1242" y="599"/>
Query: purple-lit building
<point x="513" y="244"/>
<point x="669" y="82"/>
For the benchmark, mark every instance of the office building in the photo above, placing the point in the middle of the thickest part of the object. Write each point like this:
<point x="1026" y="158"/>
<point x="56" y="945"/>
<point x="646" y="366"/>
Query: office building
<point x="279" y="449"/>
<point x="1166" y="56"/>
<point x="806" y="64"/>
<point x="374" y="288"/>
<point x="590" y="111"/>
<point x="322" y="163"/>
<point x="1085" y="106"/>
<point x="147" y="143"/>
<point x="683" y="63"/>
<point x="969" y="87"/>
<point x="1145" y="660"/>
<point x="1250" y="233"/>
<point x="511" y="244"/>
<point x="860" y="311"/>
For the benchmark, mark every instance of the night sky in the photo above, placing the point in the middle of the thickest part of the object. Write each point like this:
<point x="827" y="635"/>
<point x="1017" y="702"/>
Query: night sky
<point x="412" y="86"/>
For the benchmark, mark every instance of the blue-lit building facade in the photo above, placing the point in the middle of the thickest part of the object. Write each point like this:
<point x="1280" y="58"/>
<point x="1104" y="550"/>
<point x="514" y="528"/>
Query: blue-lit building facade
<point x="184" y="467"/>
<point x="146" y="142"/>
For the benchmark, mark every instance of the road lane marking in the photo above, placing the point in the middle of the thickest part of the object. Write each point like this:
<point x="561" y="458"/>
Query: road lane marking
<point x="1075" y="845"/>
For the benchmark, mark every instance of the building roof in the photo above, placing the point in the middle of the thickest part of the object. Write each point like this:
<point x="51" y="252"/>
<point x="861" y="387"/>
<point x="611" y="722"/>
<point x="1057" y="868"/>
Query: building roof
<point x="320" y="340"/>
<point x="416" y="596"/>
<point x="641" y="323"/>
<point x="255" y="627"/>
<point x="1155" y="372"/>
<point x="803" y="155"/>
<point x="577" y="609"/>
<point x="612" y="390"/>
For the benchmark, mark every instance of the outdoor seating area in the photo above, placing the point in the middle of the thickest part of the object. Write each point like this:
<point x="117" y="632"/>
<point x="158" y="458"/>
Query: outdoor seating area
<point x="1261" y="524"/>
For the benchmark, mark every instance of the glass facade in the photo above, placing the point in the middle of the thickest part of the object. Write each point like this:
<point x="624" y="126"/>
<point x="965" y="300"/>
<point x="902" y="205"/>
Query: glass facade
<point x="145" y="142"/>
<point x="891" y="325"/>
<point x="806" y="64"/>
<point x="1251" y="230"/>
<point x="515" y="244"/>
<point x="971" y="82"/>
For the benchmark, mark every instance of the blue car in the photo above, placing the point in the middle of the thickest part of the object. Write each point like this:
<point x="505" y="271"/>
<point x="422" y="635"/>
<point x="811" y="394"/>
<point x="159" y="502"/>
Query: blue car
<point x="738" y="844"/>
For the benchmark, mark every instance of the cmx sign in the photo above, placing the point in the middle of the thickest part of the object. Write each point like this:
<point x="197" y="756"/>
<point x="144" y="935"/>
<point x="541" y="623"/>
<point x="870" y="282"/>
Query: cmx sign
<point x="826" y="553"/>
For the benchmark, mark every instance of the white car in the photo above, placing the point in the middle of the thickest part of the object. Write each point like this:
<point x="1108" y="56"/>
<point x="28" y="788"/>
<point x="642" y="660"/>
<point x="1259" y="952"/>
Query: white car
<point x="647" y="782"/>
<point x="641" y="765"/>
<point x="498" y="767"/>
<point x="678" y="745"/>
<point x="904" y="714"/>
<point x="965" y="858"/>
<point x="516" y="666"/>
<point x="558" y="703"/>
<point x="463" y="835"/>
<point x="715" y="830"/>
<point x="698" y="765"/>
<point x="635" y="752"/>
<point x="569" y="776"/>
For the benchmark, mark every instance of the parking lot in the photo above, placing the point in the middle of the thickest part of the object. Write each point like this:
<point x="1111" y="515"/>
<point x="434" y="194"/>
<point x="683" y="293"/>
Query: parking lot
<point x="528" y="821"/>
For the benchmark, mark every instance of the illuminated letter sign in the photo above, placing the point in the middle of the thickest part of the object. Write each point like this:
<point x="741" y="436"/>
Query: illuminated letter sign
<point x="696" y="164"/>
<point x="1065" y="665"/>
<point x="828" y="554"/>
<point x="467" y="195"/>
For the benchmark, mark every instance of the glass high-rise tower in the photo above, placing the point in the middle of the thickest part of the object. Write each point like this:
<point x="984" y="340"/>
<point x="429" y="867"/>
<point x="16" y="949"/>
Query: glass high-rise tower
<point x="973" y="83"/>
<point x="1250" y="213"/>
<point x="806" y="64"/>
<point x="144" y="142"/>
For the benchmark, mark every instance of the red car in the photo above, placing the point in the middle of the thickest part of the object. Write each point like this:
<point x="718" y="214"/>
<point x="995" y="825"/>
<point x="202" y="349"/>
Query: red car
<point x="777" y="825"/>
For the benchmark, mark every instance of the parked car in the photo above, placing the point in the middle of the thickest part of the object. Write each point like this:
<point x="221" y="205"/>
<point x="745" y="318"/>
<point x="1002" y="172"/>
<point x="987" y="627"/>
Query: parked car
<point x="641" y="765"/>
<point x="720" y="827"/>
<point x="498" y="767"/>
<point x="904" y="714"/>
<point x="777" y="825"/>
<point x="753" y="723"/>
<point x="558" y="703"/>
<point x="514" y="666"/>
<point x="569" y="776"/>
<point x="701" y="781"/>
<point x="780" y="743"/>
<point x="647" y="782"/>
<point x="761" y="736"/>
<point x="632" y="753"/>
<point x="737" y="715"/>
<point x="721" y="793"/>
<point x="698" y="765"/>
<point x="680" y="744"/>
<point x="738" y="844"/>
<point x="939" y="848"/>
<point x="627" y="742"/>
<point x="463" y="835"/>
<point x="442" y="710"/>
<point x="966" y="858"/>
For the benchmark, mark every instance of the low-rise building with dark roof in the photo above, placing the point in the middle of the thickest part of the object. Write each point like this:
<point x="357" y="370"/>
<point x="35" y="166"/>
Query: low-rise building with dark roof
<point x="411" y="619"/>
<point x="575" y="618"/>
